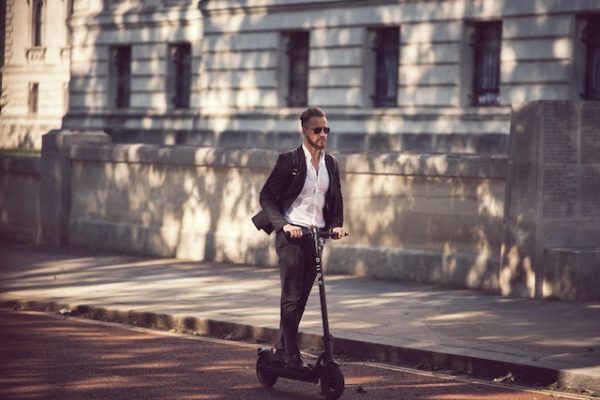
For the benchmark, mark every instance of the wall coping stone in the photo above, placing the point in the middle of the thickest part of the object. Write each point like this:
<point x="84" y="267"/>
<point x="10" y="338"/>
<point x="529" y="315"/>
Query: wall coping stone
<point x="60" y="139"/>
<point x="405" y="113"/>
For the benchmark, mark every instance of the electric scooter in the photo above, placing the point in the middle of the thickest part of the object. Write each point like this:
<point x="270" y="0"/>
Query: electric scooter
<point x="326" y="370"/>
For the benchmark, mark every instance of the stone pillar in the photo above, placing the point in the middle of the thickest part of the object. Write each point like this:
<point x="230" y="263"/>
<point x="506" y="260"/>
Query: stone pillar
<point x="55" y="182"/>
<point x="552" y="195"/>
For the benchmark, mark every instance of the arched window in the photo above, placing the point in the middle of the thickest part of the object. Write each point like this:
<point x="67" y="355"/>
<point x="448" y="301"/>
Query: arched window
<point x="37" y="22"/>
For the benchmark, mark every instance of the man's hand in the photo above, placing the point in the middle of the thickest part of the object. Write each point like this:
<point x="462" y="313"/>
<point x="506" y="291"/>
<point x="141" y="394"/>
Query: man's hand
<point x="340" y="233"/>
<point x="293" y="231"/>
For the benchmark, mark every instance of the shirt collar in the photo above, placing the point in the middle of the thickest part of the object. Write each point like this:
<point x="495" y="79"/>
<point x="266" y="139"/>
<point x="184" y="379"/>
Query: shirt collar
<point x="309" y="156"/>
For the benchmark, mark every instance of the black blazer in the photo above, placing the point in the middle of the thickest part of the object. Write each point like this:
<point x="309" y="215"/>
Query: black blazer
<point x="285" y="184"/>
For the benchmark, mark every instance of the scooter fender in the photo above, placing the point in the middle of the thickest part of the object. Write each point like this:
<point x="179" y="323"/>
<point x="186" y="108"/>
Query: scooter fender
<point x="264" y="351"/>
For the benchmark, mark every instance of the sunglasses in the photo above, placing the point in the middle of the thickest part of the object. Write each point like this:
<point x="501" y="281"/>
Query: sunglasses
<point x="318" y="130"/>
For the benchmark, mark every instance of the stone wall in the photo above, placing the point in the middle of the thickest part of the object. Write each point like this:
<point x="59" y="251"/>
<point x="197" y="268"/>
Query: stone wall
<point x="552" y="226"/>
<point x="525" y="225"/>
<point x="429" y="218"/>
<point x="19" y="198"/>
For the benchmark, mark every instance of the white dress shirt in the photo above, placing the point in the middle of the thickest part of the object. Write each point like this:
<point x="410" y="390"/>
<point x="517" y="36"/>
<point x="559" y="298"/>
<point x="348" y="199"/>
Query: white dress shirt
<point x="307" y="208"/>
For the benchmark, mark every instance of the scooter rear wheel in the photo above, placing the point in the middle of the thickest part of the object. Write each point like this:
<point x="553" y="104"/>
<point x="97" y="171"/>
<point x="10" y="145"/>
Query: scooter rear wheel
<point x="265" y="378"/>
<point x="332" y="382"/>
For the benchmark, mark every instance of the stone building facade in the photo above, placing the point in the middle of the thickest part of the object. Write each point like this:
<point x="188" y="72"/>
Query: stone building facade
<point x="134" y="68"/>
<point x="450" y="70"/>
<point x="400" y="75"/>
<point x="35" y="69"/>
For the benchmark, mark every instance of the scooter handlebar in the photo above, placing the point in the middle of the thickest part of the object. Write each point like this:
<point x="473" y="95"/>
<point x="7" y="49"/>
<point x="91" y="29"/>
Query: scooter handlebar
<point x="322" y="233"/>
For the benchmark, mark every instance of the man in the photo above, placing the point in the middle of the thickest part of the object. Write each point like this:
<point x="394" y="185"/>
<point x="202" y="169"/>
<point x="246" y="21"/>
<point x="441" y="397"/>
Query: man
<point x="303" y="190"/>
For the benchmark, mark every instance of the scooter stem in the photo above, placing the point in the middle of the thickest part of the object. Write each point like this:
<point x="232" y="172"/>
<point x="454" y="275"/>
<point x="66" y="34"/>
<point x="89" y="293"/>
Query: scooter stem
<point x="319" y="243"/>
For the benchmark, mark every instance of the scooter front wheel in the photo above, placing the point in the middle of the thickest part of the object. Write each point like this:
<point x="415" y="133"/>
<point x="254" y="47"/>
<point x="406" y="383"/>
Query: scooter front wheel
<point x="265" y="378"/>
<point x="332" y="382"/>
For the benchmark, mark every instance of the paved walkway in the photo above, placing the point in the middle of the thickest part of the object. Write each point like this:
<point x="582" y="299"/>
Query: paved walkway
<point x="537" y="341"/>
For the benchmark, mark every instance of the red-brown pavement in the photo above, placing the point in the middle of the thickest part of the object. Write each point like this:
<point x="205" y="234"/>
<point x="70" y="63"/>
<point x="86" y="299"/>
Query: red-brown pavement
<point x="45" y="356"/>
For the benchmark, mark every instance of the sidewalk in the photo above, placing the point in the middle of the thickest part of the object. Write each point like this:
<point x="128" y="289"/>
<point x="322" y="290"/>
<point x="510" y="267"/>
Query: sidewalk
<point x="417" y="325"/>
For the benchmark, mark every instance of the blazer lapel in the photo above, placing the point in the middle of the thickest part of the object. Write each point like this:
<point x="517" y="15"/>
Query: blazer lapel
<point x="297" y="181"/>
<point x="302" y="171"/>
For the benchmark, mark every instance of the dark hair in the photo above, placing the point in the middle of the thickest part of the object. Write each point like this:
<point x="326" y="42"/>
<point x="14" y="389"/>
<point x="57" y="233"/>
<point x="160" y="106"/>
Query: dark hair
<point x="309" y="113"/>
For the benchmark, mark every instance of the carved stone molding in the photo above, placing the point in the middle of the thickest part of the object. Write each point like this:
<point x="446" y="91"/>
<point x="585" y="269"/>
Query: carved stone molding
<point x="29" y="2"/>
<point x="65" y="54"/>
<point x="36" y="54"/>
<point x="145" y="4"/>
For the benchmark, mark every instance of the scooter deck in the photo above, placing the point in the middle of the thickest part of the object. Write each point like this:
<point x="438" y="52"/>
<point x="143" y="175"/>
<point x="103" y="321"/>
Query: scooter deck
<point x="310" y="375"/>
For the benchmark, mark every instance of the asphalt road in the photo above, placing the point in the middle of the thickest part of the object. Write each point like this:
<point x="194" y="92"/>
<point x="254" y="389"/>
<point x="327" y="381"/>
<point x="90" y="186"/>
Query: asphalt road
<point x="46" y="356"/>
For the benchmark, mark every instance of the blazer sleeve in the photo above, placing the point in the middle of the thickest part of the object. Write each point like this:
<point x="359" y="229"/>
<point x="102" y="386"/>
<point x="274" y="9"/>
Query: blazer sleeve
<point x="274" y="188"/>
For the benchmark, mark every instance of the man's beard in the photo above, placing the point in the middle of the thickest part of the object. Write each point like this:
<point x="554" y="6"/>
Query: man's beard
<point x="316" y="145"/>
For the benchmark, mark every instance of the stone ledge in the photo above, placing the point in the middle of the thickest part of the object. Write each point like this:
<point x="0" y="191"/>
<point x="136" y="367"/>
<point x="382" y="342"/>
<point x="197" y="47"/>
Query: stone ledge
<point x="417" y="113"/>
<point x="59" y="139"/>
<point x="417" y="143"/>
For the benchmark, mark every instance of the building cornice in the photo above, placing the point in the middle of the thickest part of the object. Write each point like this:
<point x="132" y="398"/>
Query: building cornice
<point x="147" y="17"/>
<point x="220" y="7"/>
<point x="496" y="7"/>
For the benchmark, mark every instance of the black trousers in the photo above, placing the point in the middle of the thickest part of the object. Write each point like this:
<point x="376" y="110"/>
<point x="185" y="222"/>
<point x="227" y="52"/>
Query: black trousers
<point x="297" y="271"/>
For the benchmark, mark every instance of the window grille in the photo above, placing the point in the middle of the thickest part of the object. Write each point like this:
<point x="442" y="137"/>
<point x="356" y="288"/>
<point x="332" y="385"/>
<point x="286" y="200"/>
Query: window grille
<point x="297" y="51"/>
<point x="591" y="39"/>
<point x="487" y="40"/>
<point x="386" y="49"/>
<point x="180" y="74"/>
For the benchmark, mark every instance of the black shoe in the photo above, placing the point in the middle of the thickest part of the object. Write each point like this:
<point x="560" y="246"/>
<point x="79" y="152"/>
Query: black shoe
<point x="279" y="357"/>
<point x="296" y="364"/>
